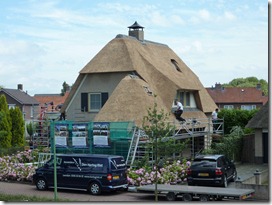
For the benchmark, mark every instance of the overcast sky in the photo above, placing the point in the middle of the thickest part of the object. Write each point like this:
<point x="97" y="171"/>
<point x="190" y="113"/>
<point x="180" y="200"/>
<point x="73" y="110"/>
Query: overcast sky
<point x="44" y="43"/>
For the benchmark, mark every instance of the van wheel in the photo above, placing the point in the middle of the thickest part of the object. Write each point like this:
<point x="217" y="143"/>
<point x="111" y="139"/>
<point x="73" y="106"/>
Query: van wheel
<point x="95" y="188"/>
<point x="41" y="184"/>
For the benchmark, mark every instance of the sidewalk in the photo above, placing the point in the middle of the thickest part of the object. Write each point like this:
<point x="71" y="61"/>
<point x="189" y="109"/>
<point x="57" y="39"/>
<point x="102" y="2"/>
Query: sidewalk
<point x="245" y="171"/>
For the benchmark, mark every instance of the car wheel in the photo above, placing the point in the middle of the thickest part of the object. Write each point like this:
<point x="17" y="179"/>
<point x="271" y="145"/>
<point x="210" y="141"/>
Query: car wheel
<point x="41" y="184"/>
<point x="234" y="176"/>
<point x="95" y="188"/>
<point x="225" y="181"/>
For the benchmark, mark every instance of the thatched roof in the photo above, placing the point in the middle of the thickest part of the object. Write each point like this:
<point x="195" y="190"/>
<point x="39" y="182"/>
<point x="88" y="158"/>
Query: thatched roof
<point x="260" y="119"/>
<point x="157" y="67"/>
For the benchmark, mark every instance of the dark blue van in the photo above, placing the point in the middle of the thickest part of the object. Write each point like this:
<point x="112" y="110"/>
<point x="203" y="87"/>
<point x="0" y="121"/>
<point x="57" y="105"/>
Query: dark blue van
<point x="92" y="172"/>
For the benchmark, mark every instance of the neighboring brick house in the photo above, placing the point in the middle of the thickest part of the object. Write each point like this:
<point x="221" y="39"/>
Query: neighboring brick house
<point x="247" y="98"/>
<point x="18" y="98"/>
<point x="51" y="103"/>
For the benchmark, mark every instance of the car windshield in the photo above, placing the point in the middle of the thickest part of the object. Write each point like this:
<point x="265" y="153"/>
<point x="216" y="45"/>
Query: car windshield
<point x="204" y="163"/>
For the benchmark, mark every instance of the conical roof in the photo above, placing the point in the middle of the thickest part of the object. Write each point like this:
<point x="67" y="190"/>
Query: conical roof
<point x="135" y="26"/>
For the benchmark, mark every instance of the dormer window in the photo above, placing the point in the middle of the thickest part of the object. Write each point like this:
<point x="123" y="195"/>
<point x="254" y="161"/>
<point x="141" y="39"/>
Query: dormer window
<point x="174" y="62"/>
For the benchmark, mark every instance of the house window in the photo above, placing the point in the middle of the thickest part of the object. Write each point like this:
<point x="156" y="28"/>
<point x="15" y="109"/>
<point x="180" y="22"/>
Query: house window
<point x="175" y="65"/>
<point x="187" y="99"/>
<point x="228" y="107"/>
<point x="248" y="107"/>
<point x="93" y="102"/>
<point x="11" y="106"/>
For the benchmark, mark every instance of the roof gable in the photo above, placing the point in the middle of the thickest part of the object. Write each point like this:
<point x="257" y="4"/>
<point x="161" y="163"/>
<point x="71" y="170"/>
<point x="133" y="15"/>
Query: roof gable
<point x="20" y="96"/>
<point x="260" y="119"/>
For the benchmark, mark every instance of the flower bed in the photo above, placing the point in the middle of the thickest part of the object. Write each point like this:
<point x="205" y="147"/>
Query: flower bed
<point x="170" y="173"/>
<point x="18" y="167"/>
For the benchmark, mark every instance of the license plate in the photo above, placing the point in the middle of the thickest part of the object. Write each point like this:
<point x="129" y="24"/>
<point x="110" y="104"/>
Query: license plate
<point x="115" y="177"/>
<point x="203" y="174"/>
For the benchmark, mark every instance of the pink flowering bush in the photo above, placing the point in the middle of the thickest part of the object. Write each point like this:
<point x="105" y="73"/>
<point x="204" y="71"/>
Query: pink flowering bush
<point x="174" y="172"/>
<point x="18" y="167"/>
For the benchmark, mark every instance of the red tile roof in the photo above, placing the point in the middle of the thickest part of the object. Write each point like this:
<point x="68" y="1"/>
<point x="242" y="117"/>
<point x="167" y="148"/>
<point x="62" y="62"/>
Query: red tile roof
<point x="57" y="99"/>
<point x="237" y="95"/>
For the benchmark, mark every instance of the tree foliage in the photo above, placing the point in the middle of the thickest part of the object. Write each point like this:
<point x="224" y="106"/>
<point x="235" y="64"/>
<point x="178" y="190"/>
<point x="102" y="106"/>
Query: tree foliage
<point x="248" y="82"/>
<point x="65" y="88"/>
<point x="18" y="128"/>
<point x="30" y="128"/>
<point x="5" y="124"/>
<point x="157" y="126"/>
<point x="230" y="145"/>
<point x="235" y="117"/>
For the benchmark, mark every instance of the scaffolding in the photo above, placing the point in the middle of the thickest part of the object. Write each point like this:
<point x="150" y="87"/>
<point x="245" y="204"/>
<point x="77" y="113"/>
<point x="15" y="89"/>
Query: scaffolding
<point x="192" y="128"/>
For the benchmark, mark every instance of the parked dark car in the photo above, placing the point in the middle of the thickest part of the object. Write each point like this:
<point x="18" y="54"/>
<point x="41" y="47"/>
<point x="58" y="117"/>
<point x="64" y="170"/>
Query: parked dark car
<point x="211" y="170"/>
<point x="92" y="172"/>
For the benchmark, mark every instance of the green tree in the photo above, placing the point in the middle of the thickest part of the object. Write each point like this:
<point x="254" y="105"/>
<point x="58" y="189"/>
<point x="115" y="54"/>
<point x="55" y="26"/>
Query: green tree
<point x="18" y="128"/>
<point x="230" y="145"/>
<point x="235" y="117"/>
<point x="65" y="87"/>
<point x="248" y="82"/>
<point x="5" y="133"/>
<point x="5" y="124"/>
<point x="159" y="130"/>
<point x="30" y="129"/>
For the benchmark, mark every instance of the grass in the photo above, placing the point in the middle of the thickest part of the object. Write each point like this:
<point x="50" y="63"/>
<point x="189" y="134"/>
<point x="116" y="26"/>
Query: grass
<point x="22" y="198"/>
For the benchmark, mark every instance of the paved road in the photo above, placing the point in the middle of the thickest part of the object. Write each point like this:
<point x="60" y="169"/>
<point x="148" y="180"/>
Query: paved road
<point x="244" y="171"/>
<point x="78" y="196"/>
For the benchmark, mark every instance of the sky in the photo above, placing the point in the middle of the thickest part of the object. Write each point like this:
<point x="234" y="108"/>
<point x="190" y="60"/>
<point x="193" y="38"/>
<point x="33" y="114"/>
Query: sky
<point x="44" y="43"/>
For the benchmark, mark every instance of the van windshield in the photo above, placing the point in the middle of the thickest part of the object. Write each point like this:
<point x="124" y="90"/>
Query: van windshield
<point x="117" y="163"/>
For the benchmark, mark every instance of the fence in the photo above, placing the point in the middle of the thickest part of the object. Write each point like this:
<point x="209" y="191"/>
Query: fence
<point x="91" y="137"/>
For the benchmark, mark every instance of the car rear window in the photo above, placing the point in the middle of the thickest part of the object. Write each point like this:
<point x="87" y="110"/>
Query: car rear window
<point x="204" y="163"/>
<point x="117" y="163"/>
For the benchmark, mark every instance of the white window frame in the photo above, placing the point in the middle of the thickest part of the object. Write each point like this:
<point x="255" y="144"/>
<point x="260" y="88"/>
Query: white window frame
<point x="228" y="107"/>
<point x="248" y="107"/>
<point x="11" y="106"/>
<point x="90" y="102"/>
<point x="187" y="99"/>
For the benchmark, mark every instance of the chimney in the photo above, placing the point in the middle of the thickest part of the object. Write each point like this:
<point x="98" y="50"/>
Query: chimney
<point x="20" y="87"/>
<point x="136" y="31"/>
<point x="258" y="86"/>
<point x="218" y="86"/>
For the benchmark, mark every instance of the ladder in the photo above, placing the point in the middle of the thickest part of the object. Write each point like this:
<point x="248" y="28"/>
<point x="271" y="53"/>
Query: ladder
<point x="43" y="157"/>
<point x="135" y="148"/>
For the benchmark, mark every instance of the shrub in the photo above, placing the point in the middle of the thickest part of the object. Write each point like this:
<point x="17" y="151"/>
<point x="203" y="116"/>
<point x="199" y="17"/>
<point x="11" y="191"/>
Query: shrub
<point x="174" y="172"/>
<point x="19" y="166"/>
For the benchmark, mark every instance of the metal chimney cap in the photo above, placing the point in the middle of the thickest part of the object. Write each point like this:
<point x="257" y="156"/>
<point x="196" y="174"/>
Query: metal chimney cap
<point x="135" y="26"/>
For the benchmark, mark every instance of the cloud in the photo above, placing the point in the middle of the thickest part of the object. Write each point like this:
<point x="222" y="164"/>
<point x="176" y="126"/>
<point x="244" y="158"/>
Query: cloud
<point x="204" y="14"/>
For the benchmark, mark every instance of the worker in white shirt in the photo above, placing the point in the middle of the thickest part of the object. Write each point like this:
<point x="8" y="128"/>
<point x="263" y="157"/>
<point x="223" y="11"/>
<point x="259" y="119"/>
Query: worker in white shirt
<point x="179" y="111"/>
<point x="214" y="119"/>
